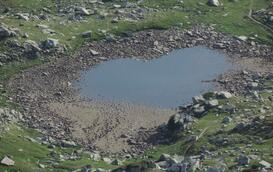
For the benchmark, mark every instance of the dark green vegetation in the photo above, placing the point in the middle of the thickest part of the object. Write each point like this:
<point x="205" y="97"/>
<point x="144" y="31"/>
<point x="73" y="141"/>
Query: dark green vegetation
<point x="230" y="18"/>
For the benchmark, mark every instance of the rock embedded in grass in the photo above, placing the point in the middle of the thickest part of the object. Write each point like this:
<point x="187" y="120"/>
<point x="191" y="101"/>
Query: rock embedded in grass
<point x="50" y="43"/>
<point x="242" y="38"/>
<point x="5" y="32"/>
<point x="215" y="3"/>
<point x="243" y="160"/>
<point x="65" y="143"/>
<point x="212" y="103"/>
<point x="31" y="46"/>
<point x="86" y="34"/>
<point x="265" y="164"/>
<point x="107" y="160"/>
<point x="227" y="120"/>
<point x="7" y="161"/>
<point x="198" y="109"/>
<point x="82" y="11"/>
<point x="116" y="162"/>
<point x="239" y="127"/>
<point x="224" y="94"/>
<point x="198" y="99"/>
<point x="179" y="121"/>
<point x="22" y="16"/>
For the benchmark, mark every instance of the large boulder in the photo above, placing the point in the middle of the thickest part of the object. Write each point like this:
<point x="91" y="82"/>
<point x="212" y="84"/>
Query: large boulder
<point x="31" y="49"/>
<point x="82" y="11"/>
<point x="5" y="32"/>
<point x="243" y="160"/>
<point x="68" y="144"/>
<point x="227" y="120"/>
<point x="241" y="127"/>
<point x="179" y="121"/>
<point x="198" y="99"/>
<point x="50" y="43"/>
<point x="116" y="162"/>
<point x="224" y="94"/>
<point x="198" y="110"/>
<point x="7" y="161"/>
<point x="265" y="164"/>
<point x="270" y="19"/>
<point x="215" y="3"/>
<point x="31" y="46"/>
<point x="212" y="103"/>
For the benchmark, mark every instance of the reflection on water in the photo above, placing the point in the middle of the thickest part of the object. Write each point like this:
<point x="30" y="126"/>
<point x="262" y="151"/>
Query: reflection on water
<point x="168" y="82"/>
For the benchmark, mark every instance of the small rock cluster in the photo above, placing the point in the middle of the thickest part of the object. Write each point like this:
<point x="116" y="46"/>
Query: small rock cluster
<point x="265" y="16"/>
<point x="8" y="116"/>
<point x="201" y="105"/>
<point x="178" y="163"/>
<point x="6" y="32"/>
<point x="29" y="48"/>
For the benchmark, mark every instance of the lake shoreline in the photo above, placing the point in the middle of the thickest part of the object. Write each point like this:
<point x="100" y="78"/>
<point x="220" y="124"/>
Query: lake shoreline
<point x="35" y="88"/>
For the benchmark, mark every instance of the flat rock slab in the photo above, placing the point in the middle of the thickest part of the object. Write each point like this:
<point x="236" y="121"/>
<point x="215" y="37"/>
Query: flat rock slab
<point x="7" y="161"/>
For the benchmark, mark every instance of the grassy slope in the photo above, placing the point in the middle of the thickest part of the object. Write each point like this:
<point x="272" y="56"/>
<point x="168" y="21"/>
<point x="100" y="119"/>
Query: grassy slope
<point x="27" y="5"/>
<point x="235" y="21"/>
<point x="32" y="154"/>
<point x="213" y="123"/>
<point x="231" y="18"/>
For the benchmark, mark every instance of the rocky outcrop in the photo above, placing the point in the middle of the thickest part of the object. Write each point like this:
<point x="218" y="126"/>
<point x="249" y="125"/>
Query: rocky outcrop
<point x="9" y="116"/>
<point x="215" y="3"/>
<point x="31" y="49"/>
<point x="50" y="43"/>
<point x="6" y="32"/>
<point x="179" y="121"/>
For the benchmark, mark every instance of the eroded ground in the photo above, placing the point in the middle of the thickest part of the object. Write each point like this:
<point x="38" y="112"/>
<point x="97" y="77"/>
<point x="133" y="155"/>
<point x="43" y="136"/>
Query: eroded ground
<point x="112" y="127"/>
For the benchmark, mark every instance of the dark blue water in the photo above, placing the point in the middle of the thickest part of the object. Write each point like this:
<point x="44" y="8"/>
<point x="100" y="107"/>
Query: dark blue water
<point x="167" y="82"/>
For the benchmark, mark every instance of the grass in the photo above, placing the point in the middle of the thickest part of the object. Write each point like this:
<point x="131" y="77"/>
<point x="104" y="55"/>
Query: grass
<point x="25" y="160"/>
<point x="213" y="123"/>
<point x="29" y="5"/>
<point x="230" y="18"/>
<point x="70" y="35"/>
<point x="27" y="155"/>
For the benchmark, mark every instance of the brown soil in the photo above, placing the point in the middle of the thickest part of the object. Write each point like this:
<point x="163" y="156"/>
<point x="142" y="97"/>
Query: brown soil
<point x="109" y="127"/>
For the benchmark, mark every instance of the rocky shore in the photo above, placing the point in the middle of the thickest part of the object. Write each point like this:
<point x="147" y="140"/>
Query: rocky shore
<point x="35" y="89"/>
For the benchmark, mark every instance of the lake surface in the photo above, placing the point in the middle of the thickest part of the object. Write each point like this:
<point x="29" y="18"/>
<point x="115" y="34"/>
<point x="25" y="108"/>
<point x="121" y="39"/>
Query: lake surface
<point x="166" y="82"/>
